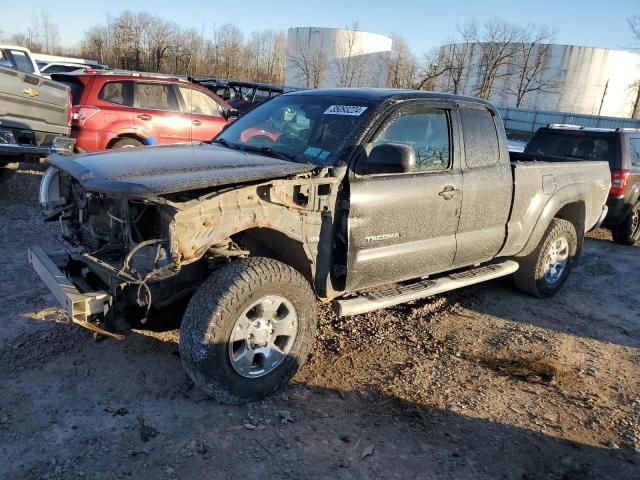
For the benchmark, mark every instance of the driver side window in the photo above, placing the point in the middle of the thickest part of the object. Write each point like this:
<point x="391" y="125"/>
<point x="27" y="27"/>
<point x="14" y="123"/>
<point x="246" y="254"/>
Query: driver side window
<point x="426" y="130"/>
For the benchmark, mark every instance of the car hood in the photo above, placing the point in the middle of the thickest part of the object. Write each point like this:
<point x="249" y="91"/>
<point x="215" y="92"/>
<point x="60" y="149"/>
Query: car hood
<point x="154" y="171"/>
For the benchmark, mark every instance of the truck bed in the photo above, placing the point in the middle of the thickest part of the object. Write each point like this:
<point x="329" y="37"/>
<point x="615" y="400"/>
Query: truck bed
<point x="542" y="185"/>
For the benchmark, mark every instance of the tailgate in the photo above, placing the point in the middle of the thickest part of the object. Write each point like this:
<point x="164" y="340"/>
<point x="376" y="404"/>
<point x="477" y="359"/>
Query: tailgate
<point x="30" y="102"/>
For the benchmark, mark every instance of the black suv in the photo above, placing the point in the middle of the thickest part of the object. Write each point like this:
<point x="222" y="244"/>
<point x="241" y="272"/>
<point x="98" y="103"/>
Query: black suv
<point x="621" y="148"/>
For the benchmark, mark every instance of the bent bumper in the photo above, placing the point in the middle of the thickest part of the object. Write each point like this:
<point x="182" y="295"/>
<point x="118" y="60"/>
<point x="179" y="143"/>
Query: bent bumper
<point x="80" y="306"/>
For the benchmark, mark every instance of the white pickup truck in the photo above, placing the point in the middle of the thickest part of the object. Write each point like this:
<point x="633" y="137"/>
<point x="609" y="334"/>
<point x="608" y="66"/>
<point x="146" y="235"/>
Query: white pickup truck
<point x="18" y="58"/>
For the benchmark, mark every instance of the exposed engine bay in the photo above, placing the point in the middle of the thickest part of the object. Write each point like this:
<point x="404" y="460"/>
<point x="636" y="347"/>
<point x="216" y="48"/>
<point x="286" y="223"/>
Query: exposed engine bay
<point x="116" y="244"/>
<point x="154" y="251"/>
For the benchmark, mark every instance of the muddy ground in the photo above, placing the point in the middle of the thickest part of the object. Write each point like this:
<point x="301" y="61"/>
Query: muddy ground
<point x="483" y="383"/>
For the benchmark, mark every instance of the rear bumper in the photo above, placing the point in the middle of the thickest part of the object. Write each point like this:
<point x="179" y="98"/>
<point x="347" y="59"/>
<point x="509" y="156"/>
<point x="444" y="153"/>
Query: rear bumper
<point x="602" y="217"/>
<point x="61" y="145"/>
<point x="80" y="306"/>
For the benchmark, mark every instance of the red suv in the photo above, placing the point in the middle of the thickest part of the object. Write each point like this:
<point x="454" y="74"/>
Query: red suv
<point x="117" y="111"/>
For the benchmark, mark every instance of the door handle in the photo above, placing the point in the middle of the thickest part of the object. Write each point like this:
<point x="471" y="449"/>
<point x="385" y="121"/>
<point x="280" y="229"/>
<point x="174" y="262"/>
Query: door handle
<point x="449" y="192"/>
<point x="197" y="123"/>
<point x="144" y="116"/>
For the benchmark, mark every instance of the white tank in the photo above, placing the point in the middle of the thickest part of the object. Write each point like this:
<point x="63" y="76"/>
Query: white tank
<point x="332" y="57"/>
<point x="585" y="80"/>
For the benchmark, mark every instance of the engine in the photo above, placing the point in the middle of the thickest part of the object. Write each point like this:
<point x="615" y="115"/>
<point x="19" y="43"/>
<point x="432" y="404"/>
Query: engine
<point x="122" y="232"/>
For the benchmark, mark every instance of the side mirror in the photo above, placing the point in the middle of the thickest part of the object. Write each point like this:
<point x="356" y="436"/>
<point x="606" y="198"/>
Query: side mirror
<point x="232" y="113"/>
<point x="391" y="158"/>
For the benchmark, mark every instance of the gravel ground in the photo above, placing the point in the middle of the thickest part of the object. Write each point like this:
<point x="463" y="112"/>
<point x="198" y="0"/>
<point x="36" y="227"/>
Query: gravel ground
<point x="483" y="383"/>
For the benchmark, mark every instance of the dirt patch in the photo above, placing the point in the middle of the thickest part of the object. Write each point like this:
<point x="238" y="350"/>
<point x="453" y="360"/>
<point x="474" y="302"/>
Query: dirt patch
<point x="540" y="370"/>
<point x="483" y="383"/>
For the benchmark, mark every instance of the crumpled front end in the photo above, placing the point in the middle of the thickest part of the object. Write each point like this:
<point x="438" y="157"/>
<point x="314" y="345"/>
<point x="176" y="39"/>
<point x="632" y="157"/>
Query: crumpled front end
<point x="117" y="249"/>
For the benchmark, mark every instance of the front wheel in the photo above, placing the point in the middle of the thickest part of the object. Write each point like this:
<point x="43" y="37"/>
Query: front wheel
<point x="248" y="329"/>
<point x="543" y="272"/>
<point x="628" y="232"/>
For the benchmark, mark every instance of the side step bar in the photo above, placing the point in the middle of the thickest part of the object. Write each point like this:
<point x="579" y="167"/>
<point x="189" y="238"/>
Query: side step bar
<point x="421" y="289"/>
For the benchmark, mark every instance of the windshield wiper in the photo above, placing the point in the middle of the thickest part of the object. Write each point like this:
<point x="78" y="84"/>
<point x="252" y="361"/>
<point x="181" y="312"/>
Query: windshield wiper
<point x="270" y="151"/>
<point x="224" y="143"/>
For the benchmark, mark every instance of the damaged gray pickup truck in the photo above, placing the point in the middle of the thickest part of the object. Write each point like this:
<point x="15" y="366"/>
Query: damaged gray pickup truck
<point x="366" y="198"/>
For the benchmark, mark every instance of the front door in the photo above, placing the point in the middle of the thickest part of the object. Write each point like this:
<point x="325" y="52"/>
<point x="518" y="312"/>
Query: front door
<point x="404" y="225"/>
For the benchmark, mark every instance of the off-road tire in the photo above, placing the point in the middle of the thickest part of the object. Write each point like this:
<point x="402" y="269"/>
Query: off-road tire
<point x="127" y="143"/>
<point x="530" y="276"/>
<point x="628" y="232"/>
<point x="7" y="171"/>
<point x="211" y="315"/>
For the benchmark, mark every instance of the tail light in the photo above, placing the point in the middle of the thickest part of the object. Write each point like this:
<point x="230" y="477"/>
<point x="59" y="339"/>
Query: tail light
<point x="82" y="113"/>
<point x="619" y="182"/>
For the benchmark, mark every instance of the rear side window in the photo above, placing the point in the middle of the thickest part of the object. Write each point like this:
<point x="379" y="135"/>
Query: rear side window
<point x="156" y="96"/>
<point x="23" y="63"/>
<point x="61" y="69"/>
<point x="481" y="146"/>
<point x="115" y="92"/>
<point x="634" y="149"/>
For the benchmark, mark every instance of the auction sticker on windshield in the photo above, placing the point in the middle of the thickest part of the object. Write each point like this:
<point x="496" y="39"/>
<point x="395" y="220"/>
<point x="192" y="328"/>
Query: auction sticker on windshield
<point x="353" y="110"/>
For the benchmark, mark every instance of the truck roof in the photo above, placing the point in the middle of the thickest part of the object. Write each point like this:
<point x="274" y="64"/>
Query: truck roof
<point x="579" y="128"/>
<point x="14" y="47"/>
<point x="382" y="94"/>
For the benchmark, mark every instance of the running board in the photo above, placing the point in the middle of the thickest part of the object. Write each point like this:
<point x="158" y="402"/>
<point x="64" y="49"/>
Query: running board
<point x="421" y="289"/>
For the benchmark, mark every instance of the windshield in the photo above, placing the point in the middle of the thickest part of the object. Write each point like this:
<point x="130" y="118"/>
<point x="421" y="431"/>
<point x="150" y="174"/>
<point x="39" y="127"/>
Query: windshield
<point x="300" y="128"/>
<point x="579" y="146"/>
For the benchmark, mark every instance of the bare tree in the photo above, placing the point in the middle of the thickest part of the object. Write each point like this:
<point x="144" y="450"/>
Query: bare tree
<point x="455" y="60"/>
<point x="531" y="71"/>
<point x="140" y="41"/>
<point x="159" y="39"/>
<point x="634" y="25"/>
<point x="50" y="34"/>
<point x="401" y="67"/>
<point x="32" y="37"/>
<point x="431" y="70"/>
<point x="309" y="60"/>
<point x="497" y="42"/>
<point x="634" y="88"/>
<point x="350" y="67"/>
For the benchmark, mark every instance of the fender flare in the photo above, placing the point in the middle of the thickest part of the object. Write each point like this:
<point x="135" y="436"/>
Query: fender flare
<point x="569" y="203"/>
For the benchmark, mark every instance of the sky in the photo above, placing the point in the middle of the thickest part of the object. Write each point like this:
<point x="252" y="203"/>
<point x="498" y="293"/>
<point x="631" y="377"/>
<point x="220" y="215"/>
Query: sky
<point x="422" y="23"/>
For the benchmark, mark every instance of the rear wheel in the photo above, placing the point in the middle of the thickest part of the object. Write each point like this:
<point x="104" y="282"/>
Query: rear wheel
<point x="248" y="329"/>
<point x="628" y="232"/>
<point x="127" y="143"/>
<point x="543" y="272"/>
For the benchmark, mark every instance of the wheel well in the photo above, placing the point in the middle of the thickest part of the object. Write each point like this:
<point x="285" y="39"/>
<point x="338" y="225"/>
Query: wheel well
<point x="265" y="242"/>
<point x="133" y="136"/>
<point x="575" y="213"/>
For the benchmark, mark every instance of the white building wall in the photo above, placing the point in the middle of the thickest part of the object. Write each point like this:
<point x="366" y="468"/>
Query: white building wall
<point x="593" y="81"/>
<point x="351" y="58"/>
